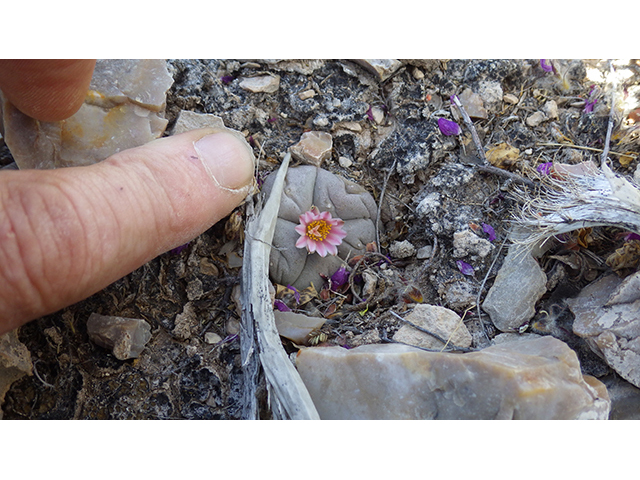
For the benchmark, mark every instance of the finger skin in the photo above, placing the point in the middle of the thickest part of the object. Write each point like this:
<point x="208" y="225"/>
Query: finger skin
<point x="68" y="233"/>
<point x="47" y="90"/>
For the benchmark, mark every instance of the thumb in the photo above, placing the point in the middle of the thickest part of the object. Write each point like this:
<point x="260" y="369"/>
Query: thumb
<point x="47" y="90"/>
<point x="66" y="234"/>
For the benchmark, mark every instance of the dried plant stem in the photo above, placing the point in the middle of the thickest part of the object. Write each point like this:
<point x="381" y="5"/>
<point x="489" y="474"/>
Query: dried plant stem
<point x="382" y="192"/>
<point x="486" y="166"/>
<point x="469" y="124"/>
<point x="288" y="395"/>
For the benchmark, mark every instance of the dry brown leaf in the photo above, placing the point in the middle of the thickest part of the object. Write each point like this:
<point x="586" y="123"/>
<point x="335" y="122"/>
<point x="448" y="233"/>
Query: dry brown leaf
<point x="503" y="156"/>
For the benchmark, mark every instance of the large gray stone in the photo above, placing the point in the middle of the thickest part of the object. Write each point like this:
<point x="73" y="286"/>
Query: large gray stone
<point x="520" y="283"/>
<point x="527" y="379"/>
<point x="610" y="326"/>
<point x="124" y="108"/>
<point x="305" y="187"/>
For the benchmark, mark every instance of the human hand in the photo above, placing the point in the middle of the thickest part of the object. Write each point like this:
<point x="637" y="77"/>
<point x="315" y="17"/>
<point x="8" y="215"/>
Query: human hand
<point x="68" y="233"/>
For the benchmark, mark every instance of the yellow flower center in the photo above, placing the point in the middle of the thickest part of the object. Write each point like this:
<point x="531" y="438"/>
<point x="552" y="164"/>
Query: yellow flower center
<point x="318" y="230"/>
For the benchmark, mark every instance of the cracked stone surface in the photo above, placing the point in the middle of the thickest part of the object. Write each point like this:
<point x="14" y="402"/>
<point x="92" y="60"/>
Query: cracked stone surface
<point x="124" y="108"/>
<point x="527" y="379"/>
<point x="611" y="328"/>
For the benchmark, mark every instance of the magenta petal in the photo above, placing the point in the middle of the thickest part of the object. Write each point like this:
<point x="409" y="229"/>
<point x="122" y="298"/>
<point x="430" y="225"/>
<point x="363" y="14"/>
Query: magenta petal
<point x="488" y="229"/>
<point x="465" y="268"/>
<point x="339" y="278"/>
<point x="544" y="168"/>
<point x="449" y="127"/>
<point x="280" y="305"/>
<point x="546" y="65"/>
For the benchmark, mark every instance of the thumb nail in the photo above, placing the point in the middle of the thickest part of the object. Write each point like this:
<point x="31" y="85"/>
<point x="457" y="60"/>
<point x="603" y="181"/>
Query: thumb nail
<point x="226" y="159"/>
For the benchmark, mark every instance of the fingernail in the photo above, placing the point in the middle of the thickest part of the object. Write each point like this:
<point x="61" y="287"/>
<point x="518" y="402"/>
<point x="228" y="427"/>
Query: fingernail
<point x="226" y="159"/>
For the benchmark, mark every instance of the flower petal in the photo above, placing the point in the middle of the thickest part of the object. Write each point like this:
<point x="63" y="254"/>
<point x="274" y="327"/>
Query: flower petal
<point x="488" y="229"/>
<point x="449" y="127"/>
<point x="465" y="268"/>
<point x="321" y="248"/>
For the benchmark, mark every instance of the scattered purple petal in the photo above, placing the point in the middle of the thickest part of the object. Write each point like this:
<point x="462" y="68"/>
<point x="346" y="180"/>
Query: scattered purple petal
<point x="280" y="305"/>
<point x="370" y="113"/>
<point x="339" y="278"/>
<point x="272" y="119"/>
<point x="588" y="106"/>
<point x="175" y="251"/>
<point x="488" y="229"/>
<point x="465" y="268"/>
<point x="227" y="79"/>
<point x="453" y="99"/>
<point x="546" y="65"/>
<point x="449" y="127"/>
<point x="544" y="168"/>
<point x="631" y="236"/>
<point x="296" y="293"/>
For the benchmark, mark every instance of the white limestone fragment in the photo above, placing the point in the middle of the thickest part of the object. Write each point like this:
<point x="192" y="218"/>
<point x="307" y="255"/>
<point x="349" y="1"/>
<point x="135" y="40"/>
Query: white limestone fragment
<point x="520" y="283"/>
<point x="610" y="326"/>
<point x="261" y="84"/>
<point x="445" y="323"/>
<point x="313" y="148"/>
<point x="466" y="243"/>
<point x="528" y="379"/>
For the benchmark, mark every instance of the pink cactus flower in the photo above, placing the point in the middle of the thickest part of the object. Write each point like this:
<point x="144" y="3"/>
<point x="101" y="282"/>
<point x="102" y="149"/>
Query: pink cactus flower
<point x="319" y="232"/>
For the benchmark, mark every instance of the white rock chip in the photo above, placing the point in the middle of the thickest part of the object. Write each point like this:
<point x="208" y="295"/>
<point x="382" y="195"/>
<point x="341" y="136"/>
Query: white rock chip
<point x="382" y="68"/>
<point x="313" y="148"/>
<point x="466" y="243"/>
<point x="473" y="104"/>
<point x="527" y="379"/>
<point x="445" y="323"/>
<point x="550" y="109"/>
<point x="424" y="252"/>
<point x="307" y="94"/>
<point x="520" y="283"/>
<point x="378" y="114"/>
<point x="510" y="98"/>
<point x="404" y="249"/>
<point x="345" y="162"/>
<point x="610" y="326"/>
<point x="127" y="337"/>
<point x="536" y="119"/>
<point x="296" y="326"/>
<point x="261" y="84"/>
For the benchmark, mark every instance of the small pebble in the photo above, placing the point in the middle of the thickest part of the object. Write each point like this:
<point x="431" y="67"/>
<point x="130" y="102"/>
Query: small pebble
<point x="313" y="148"/>
<point x="321" y="121"/>
<point x="417" y="74"/>
<point x="510" y="98"/>
<point x="307" y="94"/>
<point x="536" y="119"/>
<point x="345" y="162"/>
<point x="404" y="249"/>
<point x="550" y="109"/>
<point x="378" y="115"/>
<point x="424" y="252"/>
<point x="212" y="338"/>
<point x="261" y="84"/>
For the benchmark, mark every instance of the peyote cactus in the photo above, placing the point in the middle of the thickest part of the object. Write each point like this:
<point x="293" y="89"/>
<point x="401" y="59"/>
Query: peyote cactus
<point x="305" y="187"/>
